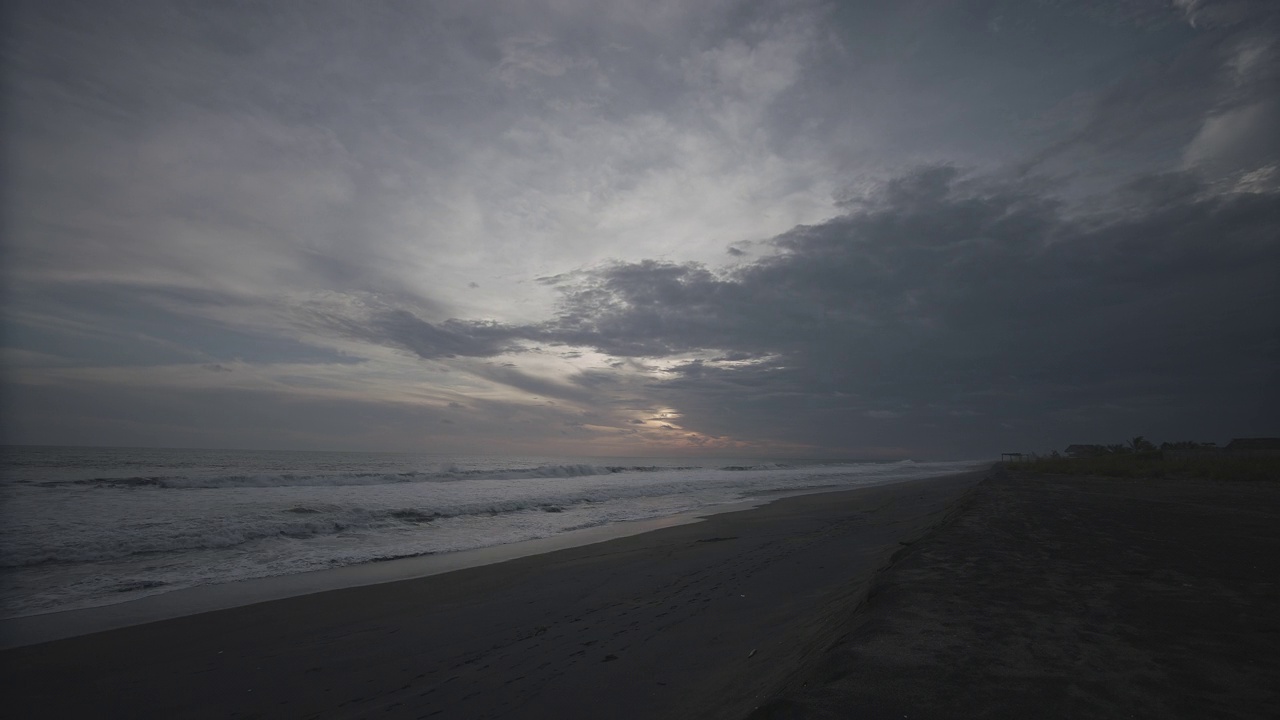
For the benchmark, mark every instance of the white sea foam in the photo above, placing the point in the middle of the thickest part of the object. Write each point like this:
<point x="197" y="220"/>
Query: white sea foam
<point x="78" y="536"/>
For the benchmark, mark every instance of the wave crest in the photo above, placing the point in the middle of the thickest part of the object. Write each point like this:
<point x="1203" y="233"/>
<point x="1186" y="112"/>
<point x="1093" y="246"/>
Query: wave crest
<point x="444" y="473"/>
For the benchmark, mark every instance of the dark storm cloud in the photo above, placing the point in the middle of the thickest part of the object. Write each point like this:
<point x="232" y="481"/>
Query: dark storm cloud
<point x="960" y="304"/>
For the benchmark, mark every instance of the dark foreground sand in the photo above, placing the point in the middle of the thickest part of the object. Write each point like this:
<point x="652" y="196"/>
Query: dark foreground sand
<point x="1069" y="598"/>
<point x="701" y="620"/>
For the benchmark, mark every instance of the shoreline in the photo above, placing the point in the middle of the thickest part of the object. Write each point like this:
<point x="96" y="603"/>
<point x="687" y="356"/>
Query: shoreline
<point x="694" y="619"/>
<point x="37" y="628"/>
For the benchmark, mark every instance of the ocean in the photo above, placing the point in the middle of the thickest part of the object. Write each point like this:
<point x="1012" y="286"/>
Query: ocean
<point x="84" y="527"/>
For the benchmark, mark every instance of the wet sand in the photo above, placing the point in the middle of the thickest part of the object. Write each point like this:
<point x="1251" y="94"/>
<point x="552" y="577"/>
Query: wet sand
<point x="1058" y="597"/>
<point x="701" y="620"/>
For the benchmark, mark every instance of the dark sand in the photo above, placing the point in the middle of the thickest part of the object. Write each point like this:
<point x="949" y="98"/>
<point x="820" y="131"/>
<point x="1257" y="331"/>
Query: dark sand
<point x="1069" y="598"/>
<point x="701" y="620"/>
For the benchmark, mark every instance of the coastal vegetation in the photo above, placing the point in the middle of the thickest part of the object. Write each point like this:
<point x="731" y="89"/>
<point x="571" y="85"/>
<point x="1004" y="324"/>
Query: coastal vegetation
<point x="1140" y="458"/>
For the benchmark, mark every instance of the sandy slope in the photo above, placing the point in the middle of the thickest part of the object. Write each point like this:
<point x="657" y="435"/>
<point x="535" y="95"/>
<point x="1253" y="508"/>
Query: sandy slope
<point x="1070" y="598"/>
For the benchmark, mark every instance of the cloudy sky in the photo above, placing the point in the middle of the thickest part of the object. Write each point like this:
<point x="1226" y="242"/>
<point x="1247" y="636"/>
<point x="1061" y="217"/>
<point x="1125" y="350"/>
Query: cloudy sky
<point x="918" y="228"/>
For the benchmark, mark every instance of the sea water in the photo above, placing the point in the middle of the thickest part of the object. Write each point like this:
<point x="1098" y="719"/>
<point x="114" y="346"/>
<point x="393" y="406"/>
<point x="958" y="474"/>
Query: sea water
<point x="92" y="526"/>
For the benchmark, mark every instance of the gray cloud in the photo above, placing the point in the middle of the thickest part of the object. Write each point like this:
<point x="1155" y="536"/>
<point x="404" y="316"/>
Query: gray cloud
<point x="1206" y="98"/>
<point x="94" y="413"/>
<point x="946" y="298"/>
<point x="449" y="339"/>
<point x="1222" y="13"/>
<point x="375" y="320"/>
<point x="91" y="322"/>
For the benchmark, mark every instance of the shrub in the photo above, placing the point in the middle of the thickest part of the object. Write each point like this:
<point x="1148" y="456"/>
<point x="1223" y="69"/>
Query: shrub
<point x="1153" y="464"/>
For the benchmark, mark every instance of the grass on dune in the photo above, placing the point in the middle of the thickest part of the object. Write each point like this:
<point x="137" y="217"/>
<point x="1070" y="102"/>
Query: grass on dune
<point x="1155" y="465"/>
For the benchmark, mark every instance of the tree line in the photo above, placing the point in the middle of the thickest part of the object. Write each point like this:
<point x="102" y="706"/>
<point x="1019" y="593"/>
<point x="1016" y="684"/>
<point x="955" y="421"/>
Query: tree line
<point x="1137" y="446"/>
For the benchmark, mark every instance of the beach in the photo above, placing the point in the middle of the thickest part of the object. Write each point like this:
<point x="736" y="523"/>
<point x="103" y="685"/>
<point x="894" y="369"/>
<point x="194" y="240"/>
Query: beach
<point x="1069" y="597"/>
<point x="88" y="527"/>
<point x="698" y="620"/>
<point x="974" y="595"/>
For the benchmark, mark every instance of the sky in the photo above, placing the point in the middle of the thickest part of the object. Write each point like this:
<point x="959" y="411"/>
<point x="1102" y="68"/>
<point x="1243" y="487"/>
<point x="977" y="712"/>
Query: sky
<point x="929" y="229"/>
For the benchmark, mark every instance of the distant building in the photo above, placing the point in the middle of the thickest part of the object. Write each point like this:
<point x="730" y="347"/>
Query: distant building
<point x="1253" y="447"/>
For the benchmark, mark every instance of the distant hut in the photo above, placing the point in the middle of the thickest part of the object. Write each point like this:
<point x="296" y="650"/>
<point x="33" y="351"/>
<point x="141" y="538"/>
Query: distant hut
<point x="1254" y="447"/>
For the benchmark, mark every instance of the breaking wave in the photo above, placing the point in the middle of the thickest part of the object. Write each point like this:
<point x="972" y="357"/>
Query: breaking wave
<point x="445" y="473"/>
<point x="124" y="523"/>
<point x="295" y="523"/>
